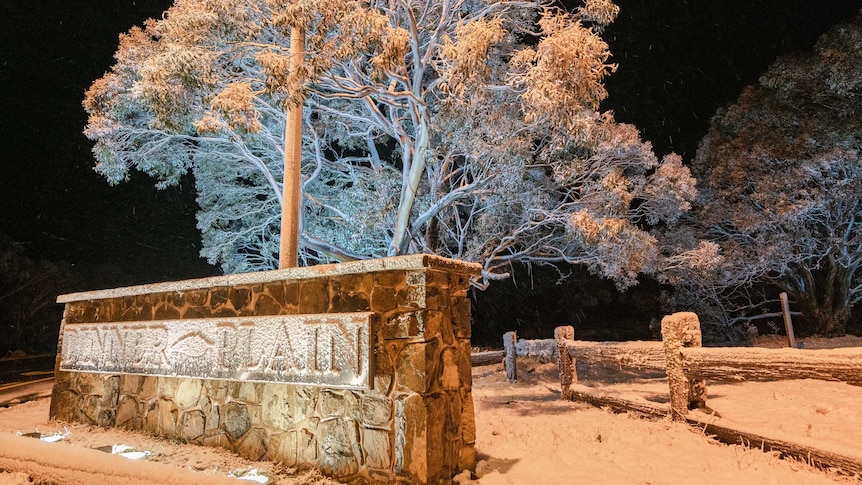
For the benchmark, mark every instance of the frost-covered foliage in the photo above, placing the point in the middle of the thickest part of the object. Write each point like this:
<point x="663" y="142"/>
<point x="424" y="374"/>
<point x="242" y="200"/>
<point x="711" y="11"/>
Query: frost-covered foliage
<point x="781" y="180"/>
<point x="465" y="128"/>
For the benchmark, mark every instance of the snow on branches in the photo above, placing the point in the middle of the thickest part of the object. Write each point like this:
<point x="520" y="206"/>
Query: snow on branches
<point x="469" y="129"/>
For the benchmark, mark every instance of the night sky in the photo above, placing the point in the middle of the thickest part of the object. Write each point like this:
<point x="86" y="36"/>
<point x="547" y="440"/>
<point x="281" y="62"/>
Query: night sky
<point x="678" y="62"/>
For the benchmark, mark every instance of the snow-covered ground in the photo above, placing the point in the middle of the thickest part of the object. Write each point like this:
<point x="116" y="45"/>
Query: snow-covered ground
<point x="526" y="435"/>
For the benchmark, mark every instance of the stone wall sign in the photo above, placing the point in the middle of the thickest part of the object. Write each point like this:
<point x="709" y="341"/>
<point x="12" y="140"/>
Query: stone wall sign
<point x="359" y="369"/>
<point x="324" y="349"/>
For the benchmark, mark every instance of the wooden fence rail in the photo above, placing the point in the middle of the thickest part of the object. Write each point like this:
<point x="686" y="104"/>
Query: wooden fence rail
<point x="773" y="364"/>
<point x="639" y="354"/>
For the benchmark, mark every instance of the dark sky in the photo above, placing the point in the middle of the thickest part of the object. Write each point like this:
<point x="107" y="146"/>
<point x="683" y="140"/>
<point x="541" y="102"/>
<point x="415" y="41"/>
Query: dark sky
<point x="52" y="200"/>
<point x="678" y="62"/>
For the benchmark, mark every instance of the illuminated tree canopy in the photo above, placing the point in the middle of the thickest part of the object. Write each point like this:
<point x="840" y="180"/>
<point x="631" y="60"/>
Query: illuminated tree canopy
<point x="466" y="128"/>
<point x="781" y="193"/>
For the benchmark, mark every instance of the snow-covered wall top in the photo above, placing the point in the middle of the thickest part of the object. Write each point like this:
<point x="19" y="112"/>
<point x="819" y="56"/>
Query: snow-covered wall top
<point x="410" y="262"/>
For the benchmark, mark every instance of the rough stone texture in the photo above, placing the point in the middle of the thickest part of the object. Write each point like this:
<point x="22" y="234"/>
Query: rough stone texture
<point x="414" y="424"/>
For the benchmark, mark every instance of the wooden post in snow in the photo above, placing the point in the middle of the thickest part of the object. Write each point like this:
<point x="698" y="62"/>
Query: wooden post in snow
<point x="509" y="341"/>
<point x="568" y="372"/>
<point x="788" y="322"/>
<point x="680" y="330"/>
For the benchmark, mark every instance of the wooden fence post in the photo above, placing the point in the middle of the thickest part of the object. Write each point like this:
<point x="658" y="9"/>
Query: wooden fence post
<point x="568" y="372"/>
<point x="509" y="341"/>
<point x="788" y="321"/>
<point x="679" y="330"/>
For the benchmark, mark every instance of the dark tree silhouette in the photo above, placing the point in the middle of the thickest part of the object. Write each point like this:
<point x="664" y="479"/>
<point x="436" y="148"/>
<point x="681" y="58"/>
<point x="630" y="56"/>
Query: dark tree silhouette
<point x="781" y="185"/>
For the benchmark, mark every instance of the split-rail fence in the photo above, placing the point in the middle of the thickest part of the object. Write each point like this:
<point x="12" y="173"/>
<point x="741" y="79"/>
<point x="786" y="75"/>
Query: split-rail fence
<point x="688" y="366"/>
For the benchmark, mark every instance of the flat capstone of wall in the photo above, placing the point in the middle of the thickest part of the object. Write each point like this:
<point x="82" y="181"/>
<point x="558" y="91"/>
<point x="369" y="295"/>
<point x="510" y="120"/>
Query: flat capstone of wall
<point x="411" y="421"/>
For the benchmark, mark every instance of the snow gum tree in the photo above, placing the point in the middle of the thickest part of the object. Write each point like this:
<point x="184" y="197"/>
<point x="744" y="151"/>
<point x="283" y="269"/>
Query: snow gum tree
<point x="781" y="179"/>
<point x="466" y="128"/>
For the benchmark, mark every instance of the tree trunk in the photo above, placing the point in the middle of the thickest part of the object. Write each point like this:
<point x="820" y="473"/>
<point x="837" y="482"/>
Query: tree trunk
<point x="825" y="299"/>
<point x="291" y="201"/>
<point x="828" y="319"/>
<point x="401" y="238"/>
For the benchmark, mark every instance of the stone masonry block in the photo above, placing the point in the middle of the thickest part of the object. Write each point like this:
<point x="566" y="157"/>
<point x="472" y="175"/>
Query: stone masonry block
<point x="377" y="447"/>
<point x="436" y="278"/>
<point x="235" y="420"/>
<point x="332" y="403"/>
<point x="376" y="411"/>
<point x="175" y="299"/>
<point x="212" y="414"/>
<point x="255" y="414"/>
<point x="278" y="407"/>
<point x="389" y="279"/>
<point x="411" y="438"/>
<point x="314" y="295"/>
<point x="343" y="302"/>
<point x="468" y="420"/>
<point x="291" y="294"/>
<point x="188" y="393"/>
<point x="267" y="305"/>
<point x="107" y="417"/>
<point x="80" y="312"/>
<point x="281" y="448"/>
<point x="166" y="311"/>
<point x="338" y="443"/>
<point x="168" y="414"/>
<point x="293" y="447"/>
<point x="87" y="383"/>
<point x="192" y="425"/>
<point x="436" y="412"/>
<point x="253" y="445"/>
<point x="411" y="372"/>
<point x="240" y="298"/>
<point x="225" y="311"/>
<point x="465" y="367"/>
<point x="382" y="381"/>
<point x="410" y="297"/>
<point x="127" y="411"/>
<point x="167" y="387"/>
<point x="454" y="405"/>
<point x="414" y="424"/>
<point x="460" y="314"/>
<point x="250" y="392"/>
<point x="217" y="439"/>
<point x="451" y="377"/>
<point x="104" y="311"/>
<point x="90" y="407"/>
<point x="197" y="312"/>
<point x="383" y="299"/>
<point x="307" y="446"/>
<point x="149" y="387"/>
<point x="351" y="283"/>
<point x="219" y="296"/>
<point x="402" y="325"/>
<point x="195" y="298"/>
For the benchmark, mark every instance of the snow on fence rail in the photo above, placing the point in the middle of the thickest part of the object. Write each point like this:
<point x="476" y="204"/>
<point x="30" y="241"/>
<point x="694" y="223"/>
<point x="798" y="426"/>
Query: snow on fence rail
<point x="688" y="365"/>
<point x="843" y="364"/>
